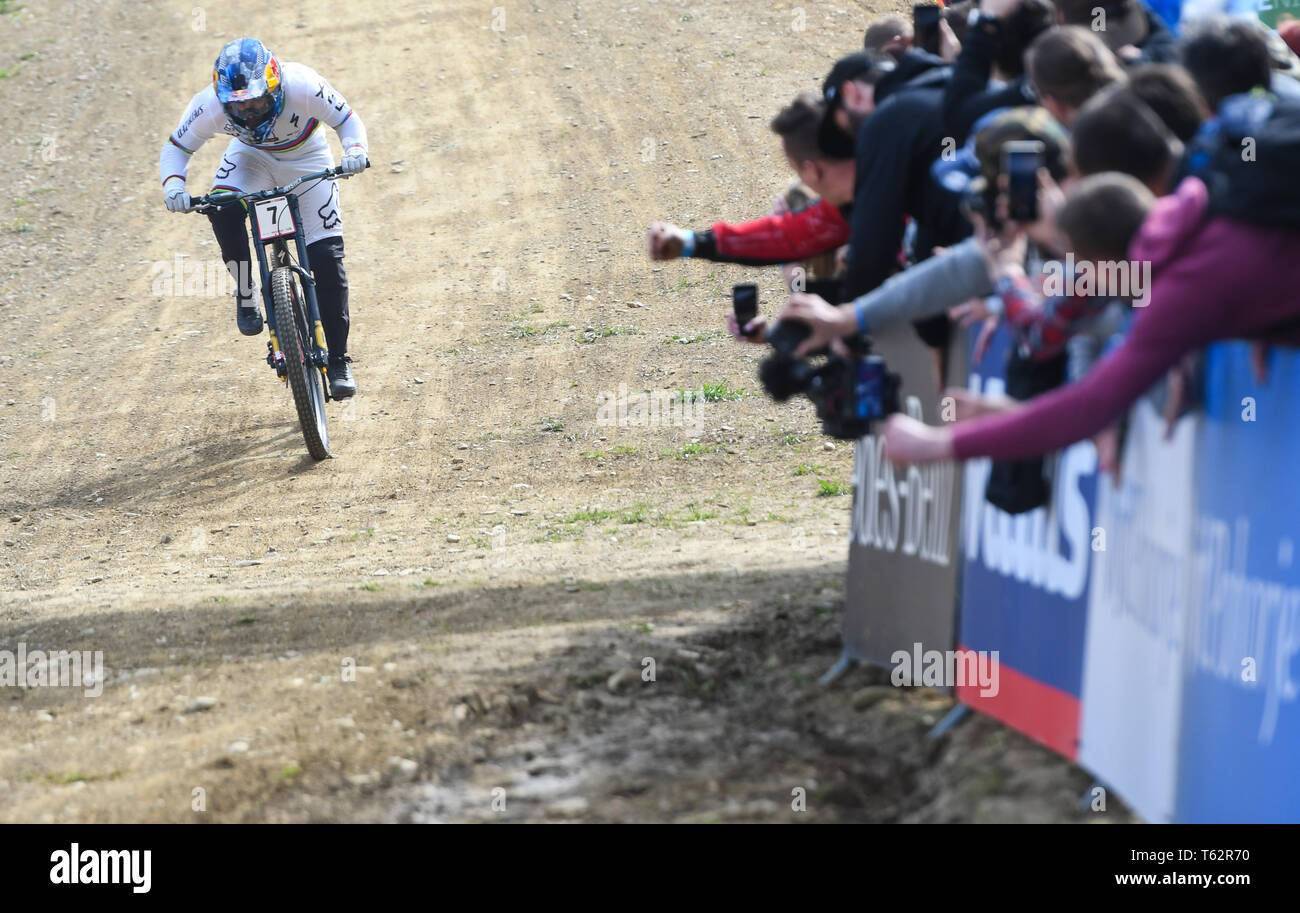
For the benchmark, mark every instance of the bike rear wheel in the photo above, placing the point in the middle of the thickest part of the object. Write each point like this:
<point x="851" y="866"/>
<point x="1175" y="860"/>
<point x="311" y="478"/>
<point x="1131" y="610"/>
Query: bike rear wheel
<point x="294" y="335"/>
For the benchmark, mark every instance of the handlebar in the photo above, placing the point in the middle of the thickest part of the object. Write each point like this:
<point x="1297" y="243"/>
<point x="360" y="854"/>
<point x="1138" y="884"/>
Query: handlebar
<point x="212" y="201"/>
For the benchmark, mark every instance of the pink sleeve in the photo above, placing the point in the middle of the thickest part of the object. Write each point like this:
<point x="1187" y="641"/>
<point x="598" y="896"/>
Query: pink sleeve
<point x="1077" y="411"/>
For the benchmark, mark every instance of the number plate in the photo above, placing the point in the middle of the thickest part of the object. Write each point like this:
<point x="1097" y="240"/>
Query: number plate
<point x="274" y="220"/>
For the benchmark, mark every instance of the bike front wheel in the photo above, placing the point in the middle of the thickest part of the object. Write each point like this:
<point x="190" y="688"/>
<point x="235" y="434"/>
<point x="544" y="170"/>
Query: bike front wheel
<point x="293" y="332"/>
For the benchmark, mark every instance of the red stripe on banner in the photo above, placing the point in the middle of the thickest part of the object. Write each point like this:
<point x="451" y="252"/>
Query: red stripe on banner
<point x="1045" y="714"/>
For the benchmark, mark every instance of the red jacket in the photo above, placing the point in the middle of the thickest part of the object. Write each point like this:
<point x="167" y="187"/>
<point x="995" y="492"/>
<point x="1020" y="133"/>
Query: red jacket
<point x="786" y="238"/>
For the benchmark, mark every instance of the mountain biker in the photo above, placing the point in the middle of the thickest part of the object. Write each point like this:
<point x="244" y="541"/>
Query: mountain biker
<point x="274" y="112"/>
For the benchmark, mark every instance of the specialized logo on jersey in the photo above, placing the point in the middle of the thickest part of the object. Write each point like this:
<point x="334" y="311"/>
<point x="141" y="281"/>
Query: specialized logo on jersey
<point x="329" y="99"/>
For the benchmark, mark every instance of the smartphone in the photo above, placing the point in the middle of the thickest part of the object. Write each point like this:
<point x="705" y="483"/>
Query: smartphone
<point x="925" y="26"/>
<point x="744" y="300"/>
<point x="1020" y="163"/>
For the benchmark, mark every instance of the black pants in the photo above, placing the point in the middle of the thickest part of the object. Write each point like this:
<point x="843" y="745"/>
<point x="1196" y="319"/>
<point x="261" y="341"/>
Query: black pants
<point x="324" y="257"/>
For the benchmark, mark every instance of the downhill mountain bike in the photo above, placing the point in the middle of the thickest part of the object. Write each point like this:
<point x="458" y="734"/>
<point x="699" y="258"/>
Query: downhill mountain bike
<point x="296" y="349"/>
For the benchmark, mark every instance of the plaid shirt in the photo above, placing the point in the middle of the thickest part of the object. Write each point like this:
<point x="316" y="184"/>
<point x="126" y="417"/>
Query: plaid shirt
<point x="1043" y="325"/>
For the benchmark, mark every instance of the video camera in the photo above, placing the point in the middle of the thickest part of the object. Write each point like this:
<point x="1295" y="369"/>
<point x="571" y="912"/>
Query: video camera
<point x="849" y="394"/>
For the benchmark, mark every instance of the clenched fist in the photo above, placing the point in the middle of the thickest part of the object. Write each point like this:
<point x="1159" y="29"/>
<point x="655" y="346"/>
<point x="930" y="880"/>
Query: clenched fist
<point x="665" y="241"/>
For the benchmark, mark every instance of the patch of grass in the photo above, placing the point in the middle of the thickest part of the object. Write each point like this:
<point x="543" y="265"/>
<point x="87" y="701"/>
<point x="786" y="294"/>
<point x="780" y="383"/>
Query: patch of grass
<point x="695" y="283"/>
<point x="691" y="450"/>
<point x="290" y="771"/>
<point x="520" y="331"/>
<point x="789" y="440"/>
<point x="365" y="533"/>
<point x="698" y="337"/>
<point x="553" y="425"/>
<point x="696" y="513"/>
<point x="28" y="56"/>
<point x="371" y="587"/>
<point x="827" y="488"/>
<point x="219" y="599"/>
<point x="247" y="619"/>
<point x="17" y="226"/>
<point x="69" y="776"/>
<point x="622" y="450"/>
<point x="709" y="393"/>
<point x="803" y="469"/>
<point x="635" y="514"/>
<point x="591" y="335"/>
<point x="6" y="74"/>
<point x="591" y="515"/>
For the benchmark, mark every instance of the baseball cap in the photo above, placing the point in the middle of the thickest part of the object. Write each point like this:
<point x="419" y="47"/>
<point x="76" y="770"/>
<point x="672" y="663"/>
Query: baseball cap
<point x="830" y="137"/>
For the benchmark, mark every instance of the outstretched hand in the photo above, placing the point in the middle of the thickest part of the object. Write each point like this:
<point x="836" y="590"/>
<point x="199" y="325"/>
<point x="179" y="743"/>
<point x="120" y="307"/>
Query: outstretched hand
<point x="910" y="441"/>
<point x="750" y="332"/>
<point x="829" y="323"/>
<point x="665" y="241"/>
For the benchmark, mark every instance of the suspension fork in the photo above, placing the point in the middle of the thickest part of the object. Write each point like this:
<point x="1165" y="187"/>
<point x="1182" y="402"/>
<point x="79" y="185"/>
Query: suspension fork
<point x="319" y="352"/>
<point x="320" y="355"/>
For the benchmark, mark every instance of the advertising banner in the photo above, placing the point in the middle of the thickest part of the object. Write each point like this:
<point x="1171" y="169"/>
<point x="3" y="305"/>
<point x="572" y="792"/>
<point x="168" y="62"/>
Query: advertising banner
<point x="1025" y="587"/>
<point x="902" y="582"/>
<point x="1239" y="738"/>
<point x="1132" y="676"/>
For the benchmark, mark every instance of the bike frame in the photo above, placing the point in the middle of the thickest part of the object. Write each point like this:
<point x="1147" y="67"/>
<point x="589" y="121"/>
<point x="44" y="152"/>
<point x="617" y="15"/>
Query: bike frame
<point x="279" y="256"/>
<point x="319" y="354"/>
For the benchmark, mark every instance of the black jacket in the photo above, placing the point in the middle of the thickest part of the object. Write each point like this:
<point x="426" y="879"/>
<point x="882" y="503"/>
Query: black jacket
<point x="895" y="148"/>
<point x="968" y="96"/>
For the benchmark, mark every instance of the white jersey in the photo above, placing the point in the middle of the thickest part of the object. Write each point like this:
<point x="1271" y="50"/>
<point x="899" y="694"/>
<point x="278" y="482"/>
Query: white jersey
<point x="309" y="101"/>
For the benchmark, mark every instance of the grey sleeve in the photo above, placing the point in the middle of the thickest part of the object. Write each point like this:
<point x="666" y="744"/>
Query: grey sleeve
<point x="928" y="288"/>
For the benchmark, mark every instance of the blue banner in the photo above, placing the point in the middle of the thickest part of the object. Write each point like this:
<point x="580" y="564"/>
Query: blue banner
<point x="1239" y="744"/>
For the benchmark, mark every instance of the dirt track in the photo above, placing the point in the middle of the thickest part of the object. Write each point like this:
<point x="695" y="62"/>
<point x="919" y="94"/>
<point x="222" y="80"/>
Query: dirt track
<point x="494" y="563"/>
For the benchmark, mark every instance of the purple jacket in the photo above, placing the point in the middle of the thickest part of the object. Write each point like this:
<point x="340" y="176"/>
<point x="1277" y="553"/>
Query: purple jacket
<point x="1211" y="278"/>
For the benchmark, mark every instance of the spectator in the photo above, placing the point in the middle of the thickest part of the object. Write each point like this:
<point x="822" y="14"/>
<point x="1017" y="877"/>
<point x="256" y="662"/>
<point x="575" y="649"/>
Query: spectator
<point x="960" y="272"/>
<point x="1117" y="131"/>
<point x="895" y="147"/>
<point x="1129" y="28"/>
<point x="890" y="35"/>
<point x="787" y="237"/>
<point x="1226" y="57"/>
<point x="1288" y="27"/>
<point x="1067" y="66"/>
<point x="1171" y="93"/>
<point x="990" y="71"/>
